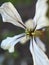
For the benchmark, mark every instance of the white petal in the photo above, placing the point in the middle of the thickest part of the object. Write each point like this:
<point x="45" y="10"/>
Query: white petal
<point x="39" y="57"/>
<point x="43" y="22"/>
<point x="30" y="24"/>
<point x="11" y="50"/>
<point x="41" y="10"/>
<point x="10" y="14"/>
<point x="24" y="39"/>
<point x="40" y="44"/>
<point x="32" y="52"/>
<point x="10" y="42"/>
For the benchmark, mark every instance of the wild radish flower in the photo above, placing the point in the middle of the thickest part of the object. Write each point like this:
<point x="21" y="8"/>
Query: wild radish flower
<point x="34" y="28"/>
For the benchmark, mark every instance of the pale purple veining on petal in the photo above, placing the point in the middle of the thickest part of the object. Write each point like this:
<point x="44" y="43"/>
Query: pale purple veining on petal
<point x="39" y="57"/>
<point x="40" y="15"/>
<point x="40" y="20"/>
<point x="10" y="14"/>
<point x="11" y="41"/>
<point x="40" y="44"/>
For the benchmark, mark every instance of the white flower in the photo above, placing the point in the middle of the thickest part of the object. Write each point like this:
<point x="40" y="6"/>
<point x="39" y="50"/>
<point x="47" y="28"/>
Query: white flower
<point x="34" y="28"/>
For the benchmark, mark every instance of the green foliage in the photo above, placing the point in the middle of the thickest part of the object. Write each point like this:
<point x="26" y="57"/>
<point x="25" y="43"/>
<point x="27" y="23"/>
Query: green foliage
<point x="18" y="2"/>
<point x="7" y="34"/>
<point x="13" y="55"/>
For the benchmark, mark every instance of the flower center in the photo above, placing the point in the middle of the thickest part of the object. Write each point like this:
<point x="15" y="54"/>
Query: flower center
<point x="32" y="33"/>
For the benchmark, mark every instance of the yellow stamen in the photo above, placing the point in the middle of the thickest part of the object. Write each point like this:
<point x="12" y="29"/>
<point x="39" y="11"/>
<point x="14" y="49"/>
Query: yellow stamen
<point x="31" y="33"/>
<point x="38" y="32"/>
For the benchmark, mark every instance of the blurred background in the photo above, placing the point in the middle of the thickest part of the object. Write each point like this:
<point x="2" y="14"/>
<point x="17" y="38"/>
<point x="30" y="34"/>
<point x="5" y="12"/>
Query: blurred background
<point x="21" y="56"/>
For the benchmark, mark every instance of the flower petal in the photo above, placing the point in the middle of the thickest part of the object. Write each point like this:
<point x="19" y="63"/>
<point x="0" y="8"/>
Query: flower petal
<point x="10" y="14"/>
<point x="40" y="44"/>
<point x="39" y="57"/>
<point x="30" y="24"/>
<point x="10" y="42"/>
<point x="11" y="49"/>
<point x="41" y="10"/>
<point x="43" y="22"/>
<point x="24" y="39"/>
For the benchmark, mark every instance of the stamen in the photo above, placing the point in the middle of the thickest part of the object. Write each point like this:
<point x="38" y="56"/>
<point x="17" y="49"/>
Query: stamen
<point x="32" y="33"/>
<point x="38" y="32"/>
